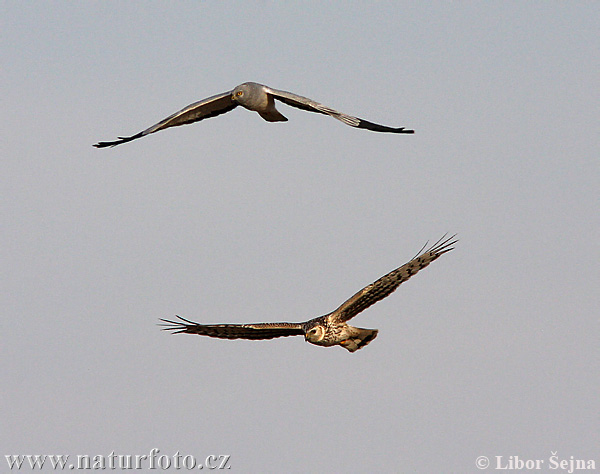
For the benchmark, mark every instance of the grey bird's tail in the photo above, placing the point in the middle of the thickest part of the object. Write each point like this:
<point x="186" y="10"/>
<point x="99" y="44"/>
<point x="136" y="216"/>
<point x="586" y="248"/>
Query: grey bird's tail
<point x="272" y="115"/>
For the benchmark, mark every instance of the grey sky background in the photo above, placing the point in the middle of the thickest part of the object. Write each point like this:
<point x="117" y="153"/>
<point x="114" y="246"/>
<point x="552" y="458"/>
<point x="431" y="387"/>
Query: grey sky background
<point x="492" y="350"/>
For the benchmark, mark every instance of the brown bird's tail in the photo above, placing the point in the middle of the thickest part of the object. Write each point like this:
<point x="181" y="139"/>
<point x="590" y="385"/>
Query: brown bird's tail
<point x="359" y="338"/>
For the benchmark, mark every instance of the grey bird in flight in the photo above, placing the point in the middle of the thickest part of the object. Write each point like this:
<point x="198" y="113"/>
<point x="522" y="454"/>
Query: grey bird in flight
<point x="331" y="329"/>
<point x="258" y="98"/>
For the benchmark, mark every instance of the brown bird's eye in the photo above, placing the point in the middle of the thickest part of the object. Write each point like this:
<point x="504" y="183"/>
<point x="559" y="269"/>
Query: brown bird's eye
<point x="239" y="93"/>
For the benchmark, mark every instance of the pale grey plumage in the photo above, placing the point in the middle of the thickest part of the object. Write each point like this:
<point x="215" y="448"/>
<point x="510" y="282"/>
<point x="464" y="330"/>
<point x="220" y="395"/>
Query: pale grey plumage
<point x="331" y="329"/>
<point x="255" y="97"/>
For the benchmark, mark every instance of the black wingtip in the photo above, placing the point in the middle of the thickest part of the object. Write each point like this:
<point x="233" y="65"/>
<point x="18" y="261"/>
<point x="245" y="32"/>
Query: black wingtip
<point x="174" y="326"/>
<point x="445" y="244"/>
<point x="375" y="127"/>
<point x="398" y="130"/>
<point x="119" y="141"/>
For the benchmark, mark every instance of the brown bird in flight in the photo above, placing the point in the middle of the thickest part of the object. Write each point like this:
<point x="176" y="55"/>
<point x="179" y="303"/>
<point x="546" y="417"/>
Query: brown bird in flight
<point x="331" y="329"/>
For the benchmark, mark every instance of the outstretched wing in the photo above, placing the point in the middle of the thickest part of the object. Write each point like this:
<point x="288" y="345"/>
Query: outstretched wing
<point x="387" y="284"/>
<point x="211" y="107"/>
<point x="305" y="103"/>
<point x="234" y="331"/>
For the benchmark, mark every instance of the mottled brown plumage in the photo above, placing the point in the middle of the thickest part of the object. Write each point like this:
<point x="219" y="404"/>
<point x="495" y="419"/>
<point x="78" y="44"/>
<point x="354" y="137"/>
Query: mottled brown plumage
<point x="330" y="329"/>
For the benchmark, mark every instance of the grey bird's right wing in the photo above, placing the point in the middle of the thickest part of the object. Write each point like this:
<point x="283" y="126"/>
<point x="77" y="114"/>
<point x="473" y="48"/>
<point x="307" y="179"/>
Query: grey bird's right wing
<point x="203" y="109"/>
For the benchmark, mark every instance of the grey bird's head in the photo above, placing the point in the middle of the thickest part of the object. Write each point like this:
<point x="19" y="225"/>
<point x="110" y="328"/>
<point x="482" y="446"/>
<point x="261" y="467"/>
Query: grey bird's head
<point x="250" y="95"/>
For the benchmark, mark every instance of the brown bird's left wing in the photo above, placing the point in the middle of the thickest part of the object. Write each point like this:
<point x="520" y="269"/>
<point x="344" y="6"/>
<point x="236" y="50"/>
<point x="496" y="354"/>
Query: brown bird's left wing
<point x="310" y="105"/>
<point x="387" y="284"/>
<point x="234" y="331"/>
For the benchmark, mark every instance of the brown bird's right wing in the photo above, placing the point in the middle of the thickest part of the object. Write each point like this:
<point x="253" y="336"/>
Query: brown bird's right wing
<point x="234" y="331"/>
<point x="206" y="108"/>
<point x="387" y="284"/>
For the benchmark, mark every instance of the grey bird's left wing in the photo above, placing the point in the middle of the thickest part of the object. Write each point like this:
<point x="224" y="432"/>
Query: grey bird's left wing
<point x="234" y="331"/>
<point x="310" y="105"/>
<point x="206" y="108"/>
<point x="387" y="284"/>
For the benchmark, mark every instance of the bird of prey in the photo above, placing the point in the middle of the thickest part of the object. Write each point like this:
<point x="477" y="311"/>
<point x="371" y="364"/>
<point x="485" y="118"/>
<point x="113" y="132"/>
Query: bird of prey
<point x="331" y="329"/>
<point x="258" y="98"/>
